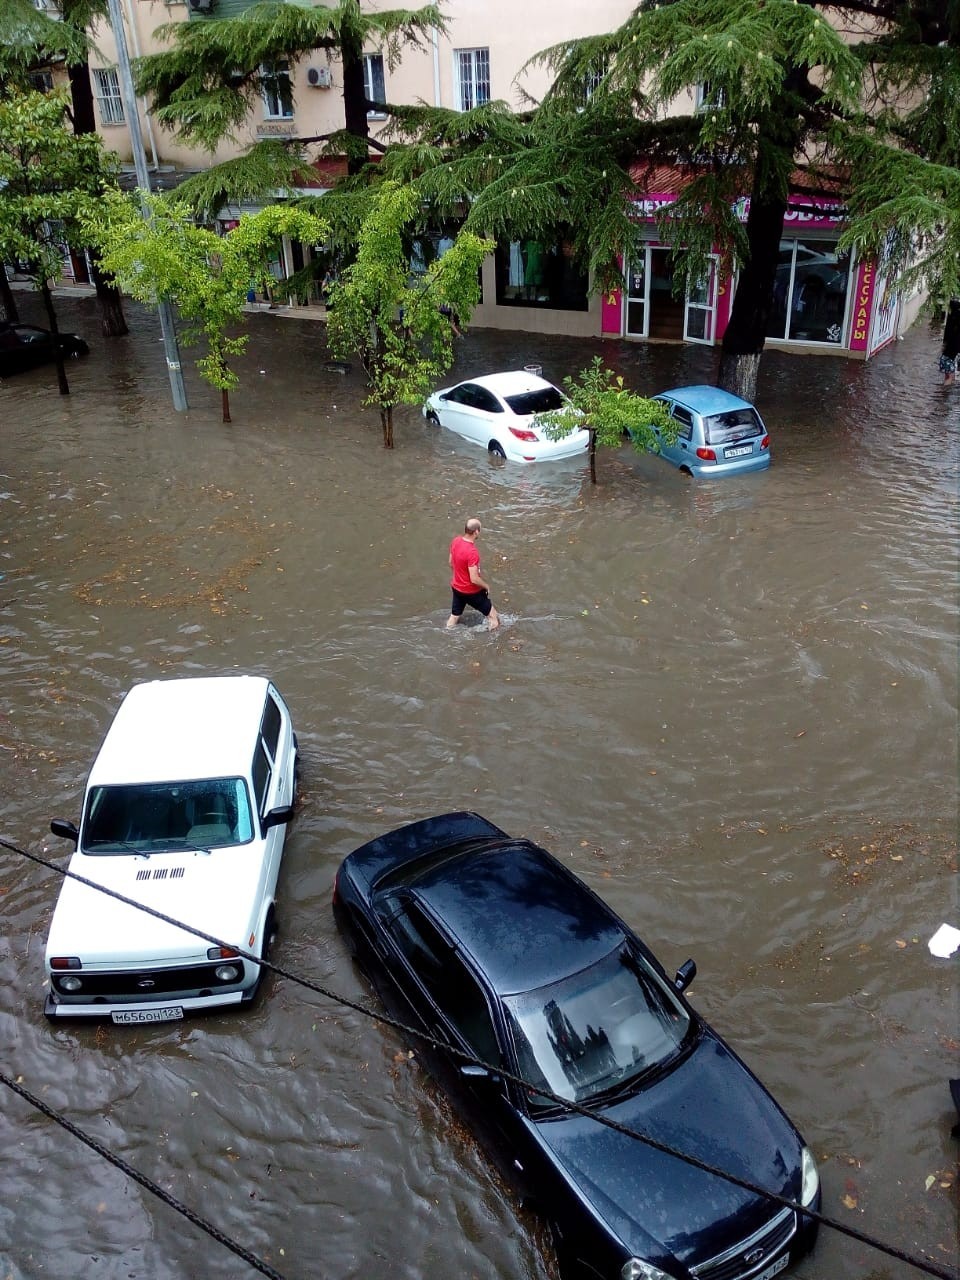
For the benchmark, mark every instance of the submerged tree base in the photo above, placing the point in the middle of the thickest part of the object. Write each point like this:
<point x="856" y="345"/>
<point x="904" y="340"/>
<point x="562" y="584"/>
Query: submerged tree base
<point x="739" y="373"/>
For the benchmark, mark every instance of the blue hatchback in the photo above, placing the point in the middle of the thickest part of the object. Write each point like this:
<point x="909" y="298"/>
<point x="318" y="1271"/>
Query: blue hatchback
<point x="718" y="434"/>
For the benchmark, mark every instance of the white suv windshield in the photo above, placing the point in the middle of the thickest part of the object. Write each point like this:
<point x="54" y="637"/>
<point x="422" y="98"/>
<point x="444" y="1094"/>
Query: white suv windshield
<point x="150" y="816"/>
<point x="597" y="1030"/>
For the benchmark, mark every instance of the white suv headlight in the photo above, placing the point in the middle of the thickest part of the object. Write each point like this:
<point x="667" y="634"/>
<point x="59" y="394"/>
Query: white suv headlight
<point x="809" y="1178"/>
<point x="637" y="1269"/>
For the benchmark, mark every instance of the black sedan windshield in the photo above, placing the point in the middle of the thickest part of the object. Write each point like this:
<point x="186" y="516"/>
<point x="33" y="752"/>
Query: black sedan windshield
<point x="596" y="1030"/>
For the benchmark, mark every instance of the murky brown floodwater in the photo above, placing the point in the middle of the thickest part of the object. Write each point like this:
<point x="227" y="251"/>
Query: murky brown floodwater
<point x="732" y="708"/>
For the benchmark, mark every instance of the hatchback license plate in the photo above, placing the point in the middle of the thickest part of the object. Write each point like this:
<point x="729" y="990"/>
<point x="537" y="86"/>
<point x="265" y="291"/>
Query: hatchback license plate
<point x="774" y="1269"/>
<point x="171" y="1013"/>
<point x="738" y="453"/>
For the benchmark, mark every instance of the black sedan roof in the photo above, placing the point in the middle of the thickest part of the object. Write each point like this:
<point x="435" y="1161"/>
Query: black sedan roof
<point x="514" y="909"/>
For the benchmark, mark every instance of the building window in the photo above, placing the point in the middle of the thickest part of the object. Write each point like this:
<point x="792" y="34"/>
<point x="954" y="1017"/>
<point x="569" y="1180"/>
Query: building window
<point x="373" y="84"/>
<point x="594" y="78"/>
<point x="42" y="81"/>
<point x="106" y="90"/>
<point x="810" y="292"/>
<point x="531" y="273"/>
<point x="710" y="97"/>
<point x="472" y="77"/>
<point x="277" y="91"/>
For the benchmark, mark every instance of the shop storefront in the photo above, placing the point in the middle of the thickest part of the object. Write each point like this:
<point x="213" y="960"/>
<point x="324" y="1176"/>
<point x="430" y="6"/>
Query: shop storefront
<point x="823" y="300"/>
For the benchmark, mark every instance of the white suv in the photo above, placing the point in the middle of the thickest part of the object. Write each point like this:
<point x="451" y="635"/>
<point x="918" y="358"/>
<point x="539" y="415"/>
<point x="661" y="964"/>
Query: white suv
<point x="185" y="811"/>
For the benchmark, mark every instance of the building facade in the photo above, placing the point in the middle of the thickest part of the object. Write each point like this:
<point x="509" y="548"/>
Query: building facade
<point x="824" y="301"/>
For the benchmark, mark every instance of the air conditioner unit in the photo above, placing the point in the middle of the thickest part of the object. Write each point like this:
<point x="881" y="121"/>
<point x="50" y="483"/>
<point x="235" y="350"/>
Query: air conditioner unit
<point x="319" y="77"/>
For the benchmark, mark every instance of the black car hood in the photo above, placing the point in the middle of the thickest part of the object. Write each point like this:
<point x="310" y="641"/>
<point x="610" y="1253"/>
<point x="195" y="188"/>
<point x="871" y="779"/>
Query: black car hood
<point x="709" y="1106"/>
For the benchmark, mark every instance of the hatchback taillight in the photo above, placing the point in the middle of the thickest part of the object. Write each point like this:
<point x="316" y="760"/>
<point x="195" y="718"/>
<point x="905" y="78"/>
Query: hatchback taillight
<point x="523" y="434"/>
<point x="707" y="455"/>
<point x="765" y="442"/>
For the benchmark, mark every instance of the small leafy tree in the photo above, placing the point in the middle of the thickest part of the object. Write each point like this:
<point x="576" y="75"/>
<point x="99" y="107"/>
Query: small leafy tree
<point x="208" y="276"/>
<point x="398" y="323"/>
<point x="51" y="183"/>
<point x="609" y="411"/>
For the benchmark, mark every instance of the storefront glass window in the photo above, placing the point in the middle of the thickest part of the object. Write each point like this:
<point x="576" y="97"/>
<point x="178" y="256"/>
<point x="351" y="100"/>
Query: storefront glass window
<point x="810" y="293"/>
<point x="534" y="274"/>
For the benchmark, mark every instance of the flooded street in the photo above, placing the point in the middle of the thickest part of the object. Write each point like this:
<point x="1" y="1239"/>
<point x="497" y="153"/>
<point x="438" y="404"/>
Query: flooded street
<point x="730" y="707"/>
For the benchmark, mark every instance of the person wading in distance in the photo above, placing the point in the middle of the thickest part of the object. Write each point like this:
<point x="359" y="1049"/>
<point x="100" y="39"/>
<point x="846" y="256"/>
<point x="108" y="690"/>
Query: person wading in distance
<point x="467" y="585"/>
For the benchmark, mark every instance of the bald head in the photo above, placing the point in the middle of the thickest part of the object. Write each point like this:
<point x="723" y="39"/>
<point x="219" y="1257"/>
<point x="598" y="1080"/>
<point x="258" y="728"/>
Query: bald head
<point x="472" y="525"/>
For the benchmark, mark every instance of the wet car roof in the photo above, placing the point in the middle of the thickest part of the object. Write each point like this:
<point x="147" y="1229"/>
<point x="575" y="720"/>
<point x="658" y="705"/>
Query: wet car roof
<point x="706" y="400"/>
<point x="517" y="913"/>
<point x="196" y="727"/>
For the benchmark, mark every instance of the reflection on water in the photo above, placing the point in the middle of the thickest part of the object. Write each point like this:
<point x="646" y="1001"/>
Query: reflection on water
<point x="731" y="708"/>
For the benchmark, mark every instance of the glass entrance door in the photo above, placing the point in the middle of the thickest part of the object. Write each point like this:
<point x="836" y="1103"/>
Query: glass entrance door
<point x="638" y="297"/>
<point x="700" y="317"/>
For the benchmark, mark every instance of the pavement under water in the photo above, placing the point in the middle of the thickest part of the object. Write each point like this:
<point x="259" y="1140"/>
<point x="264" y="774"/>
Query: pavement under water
<point x="731" y="708"/>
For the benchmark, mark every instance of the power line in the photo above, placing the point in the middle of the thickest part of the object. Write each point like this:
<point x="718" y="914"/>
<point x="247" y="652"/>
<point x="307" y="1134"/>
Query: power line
<point x="118" y="1162"/>
<point x="921" y="1264"/>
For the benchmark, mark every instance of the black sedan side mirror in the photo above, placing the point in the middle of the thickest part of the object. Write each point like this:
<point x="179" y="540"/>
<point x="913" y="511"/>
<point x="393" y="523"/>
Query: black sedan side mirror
<point x="276" y="817"/>
<point x="685" y="975"/>
<point x="60" y="827"/>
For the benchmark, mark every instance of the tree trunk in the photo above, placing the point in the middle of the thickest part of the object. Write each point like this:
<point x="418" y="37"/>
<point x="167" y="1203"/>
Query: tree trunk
<point x="746" y="334"/>
<point x="112" y="322"/>
<point x="55" y="335"/>
<point x="225" y="405"/>
<point x="8" y="304"/>
<point x="593" y="457"/>
<point x="386" y="421"/>
<point x="354" y="98"/>
<point x="743" y="342"/>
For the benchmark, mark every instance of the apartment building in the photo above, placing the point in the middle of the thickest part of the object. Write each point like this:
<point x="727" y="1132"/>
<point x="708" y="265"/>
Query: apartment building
<point x="825" y="301"/>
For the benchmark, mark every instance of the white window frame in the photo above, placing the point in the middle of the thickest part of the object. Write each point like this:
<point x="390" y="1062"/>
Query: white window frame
<point x="471" y="77"/>
<point x="593" y="80"/>
<point x="274" y="106"/>
<point x="373" y="91"/>
<point x="709" y="97"/>
<point x="106" y="90"/>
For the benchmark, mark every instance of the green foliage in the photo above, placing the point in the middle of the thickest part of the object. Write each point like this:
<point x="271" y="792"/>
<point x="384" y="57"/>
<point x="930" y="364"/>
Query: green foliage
<point x="50" y="183"/>
<point x="30" y="37"/>
<point x="205" y="84"/>
<point x="390" y="318"/>
<point x="166" y="255"/>
<point x="269" y="165"/>
<point x="610" y="412"/>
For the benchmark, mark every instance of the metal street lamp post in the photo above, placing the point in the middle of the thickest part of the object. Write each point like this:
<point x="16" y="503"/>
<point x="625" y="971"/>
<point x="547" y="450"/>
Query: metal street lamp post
<point x="128" y="93"/>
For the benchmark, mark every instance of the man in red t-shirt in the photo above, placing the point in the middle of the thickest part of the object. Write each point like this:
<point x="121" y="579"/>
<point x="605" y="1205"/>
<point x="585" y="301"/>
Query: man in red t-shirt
<point x="467" y="585"/>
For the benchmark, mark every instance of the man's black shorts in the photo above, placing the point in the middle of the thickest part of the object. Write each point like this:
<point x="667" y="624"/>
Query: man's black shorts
<point x="479" y="600"/>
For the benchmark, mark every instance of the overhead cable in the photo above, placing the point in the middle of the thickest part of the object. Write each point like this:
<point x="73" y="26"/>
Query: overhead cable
<point x="926" y="1266"/>
<point x="125" y="1167"/>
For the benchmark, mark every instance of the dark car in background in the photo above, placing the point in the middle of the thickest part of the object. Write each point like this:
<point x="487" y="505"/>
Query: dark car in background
<point x="490" y="946"/>
<point x="24" y="346"/>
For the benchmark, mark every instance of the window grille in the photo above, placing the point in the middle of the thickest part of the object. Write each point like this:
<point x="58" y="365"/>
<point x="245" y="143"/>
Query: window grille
<point x="472" y="77"/>
<point x="106" y="90"/>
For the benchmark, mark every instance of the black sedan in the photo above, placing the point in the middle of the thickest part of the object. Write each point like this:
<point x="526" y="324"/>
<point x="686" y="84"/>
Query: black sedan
<point x="24" y="346"/>
<point x="491" y="946"/>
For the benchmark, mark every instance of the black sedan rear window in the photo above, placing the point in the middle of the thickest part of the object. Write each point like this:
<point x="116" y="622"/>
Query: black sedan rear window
<point x="542" y="400"/>
<point x="736" y="424"/>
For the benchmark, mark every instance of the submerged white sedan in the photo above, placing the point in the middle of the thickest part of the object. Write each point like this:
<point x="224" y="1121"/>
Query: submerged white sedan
<point x="500" y="411"/>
